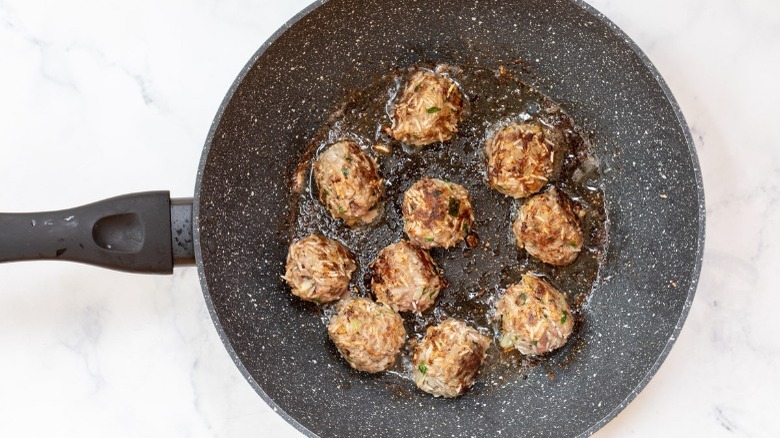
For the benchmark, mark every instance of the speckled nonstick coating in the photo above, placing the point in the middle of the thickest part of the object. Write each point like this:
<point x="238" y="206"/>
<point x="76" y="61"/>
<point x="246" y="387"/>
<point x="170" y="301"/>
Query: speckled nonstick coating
<point x="652" y="186"/>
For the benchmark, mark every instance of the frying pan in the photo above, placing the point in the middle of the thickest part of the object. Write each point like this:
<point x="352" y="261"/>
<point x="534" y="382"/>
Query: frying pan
<point x="234" y="226"/>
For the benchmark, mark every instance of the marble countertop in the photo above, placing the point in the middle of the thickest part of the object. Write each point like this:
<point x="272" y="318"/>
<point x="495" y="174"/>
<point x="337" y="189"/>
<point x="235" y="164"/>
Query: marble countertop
<point x="99" y="98"/>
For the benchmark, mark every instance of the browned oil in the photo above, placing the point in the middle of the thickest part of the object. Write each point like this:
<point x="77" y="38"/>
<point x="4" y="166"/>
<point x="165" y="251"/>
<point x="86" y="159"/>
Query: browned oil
<point x="476" y="276"/>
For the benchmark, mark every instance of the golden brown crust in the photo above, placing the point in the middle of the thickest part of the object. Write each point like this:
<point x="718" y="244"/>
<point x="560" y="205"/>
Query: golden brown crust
<point x="448" y="359"/>
<point x="535" y="317"/>
<point x="348" y="183"/>
<point x="521" y="158"/>
<point x="548" y="229"/>
<point x="437" y="213"/>
<point x="368" y="335"/>
<point x="406" y="278"/>
<point x="318" y="269"/>
<point x="428" y="111"/>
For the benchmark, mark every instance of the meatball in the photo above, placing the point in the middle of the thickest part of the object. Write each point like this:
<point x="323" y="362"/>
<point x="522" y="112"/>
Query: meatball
<point x="437" y="213"/>
<point x="535" y="317"/>
<point x="548" y="228"/>
<point x="318" y="269"/>
<point x="521" y="158"/>
<point x="448" y="359"/>
<point x="428" y="111"/>
<point x="406" y="278"/>
<point x="348" y="183"/>
<point x="368" y="335"/>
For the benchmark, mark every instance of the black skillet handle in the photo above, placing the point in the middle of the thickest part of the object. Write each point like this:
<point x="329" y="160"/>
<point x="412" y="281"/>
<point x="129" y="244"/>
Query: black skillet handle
<point x="140" y="232"/>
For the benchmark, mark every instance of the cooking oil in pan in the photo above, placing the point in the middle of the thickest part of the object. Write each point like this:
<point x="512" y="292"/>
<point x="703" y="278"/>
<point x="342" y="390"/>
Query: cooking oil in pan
<point x="476" y="276"/>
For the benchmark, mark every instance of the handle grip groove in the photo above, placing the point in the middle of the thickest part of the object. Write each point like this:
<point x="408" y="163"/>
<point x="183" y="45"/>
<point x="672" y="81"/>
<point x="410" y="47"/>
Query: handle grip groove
<point x="129" y="233"/>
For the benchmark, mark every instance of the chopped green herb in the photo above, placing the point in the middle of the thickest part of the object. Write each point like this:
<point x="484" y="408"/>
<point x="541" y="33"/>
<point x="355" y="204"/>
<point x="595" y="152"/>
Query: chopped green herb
<point x="433" y="109"/>
<point x="573" y="243"/>
<point x="454" y="207"/>
<point x="524" y="297"/>
<point x="429" y="239"/>
<point x="327" y="192"/>
<point x="345" y="171"/>
<point x="563" y="318"/>
<point x="431" y="293"/>
<point x="466" y="227"/>
<point x="417" y="88"/>
<point x="534" y="343"/>
<point x="423" y="369"/>
<point x="341" y="210"/>
<point x="348" y="158"/>
<point x="316" y="300"/>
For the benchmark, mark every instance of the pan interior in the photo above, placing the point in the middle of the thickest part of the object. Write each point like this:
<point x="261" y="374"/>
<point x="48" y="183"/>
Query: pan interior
<point x="651" y="187"/>
<point x="477" y="273"/>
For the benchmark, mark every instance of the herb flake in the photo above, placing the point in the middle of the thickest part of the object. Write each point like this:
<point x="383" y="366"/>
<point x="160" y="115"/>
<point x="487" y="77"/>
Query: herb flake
<point x="423" y="369"/>
<point x="433" y="109"/>
<point x="453" y="208"/>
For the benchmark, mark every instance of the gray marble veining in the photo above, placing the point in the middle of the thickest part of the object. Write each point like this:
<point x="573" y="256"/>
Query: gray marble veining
<point x="101" y="98"/>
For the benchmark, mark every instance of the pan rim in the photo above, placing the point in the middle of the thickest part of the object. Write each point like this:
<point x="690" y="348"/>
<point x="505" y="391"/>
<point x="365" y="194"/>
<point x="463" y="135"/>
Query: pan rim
<point x="196" y="219"/>
<point x="695" y="272"/>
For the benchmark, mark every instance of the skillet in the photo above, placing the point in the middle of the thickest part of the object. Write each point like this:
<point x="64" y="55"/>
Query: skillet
<point x="283" y="96"/>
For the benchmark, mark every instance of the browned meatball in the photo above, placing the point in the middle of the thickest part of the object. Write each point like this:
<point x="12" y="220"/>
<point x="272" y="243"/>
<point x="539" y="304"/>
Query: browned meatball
<point x="428" y="111"/>
<point x="406" y="278"/>
<point x="368" y="335"/>
<point x="521" y="158"/>
<point x="348" y="183"/>
<point x="548" y="228"/>
<point x="318" y="269"/>
<point x="437" y="213"/>
<point x="448" y="359"/>
<point x="535" y="317"/>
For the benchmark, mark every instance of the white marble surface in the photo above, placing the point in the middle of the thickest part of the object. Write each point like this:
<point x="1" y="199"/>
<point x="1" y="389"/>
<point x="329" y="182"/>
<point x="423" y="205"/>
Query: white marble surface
<point x="99" y="98"/>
